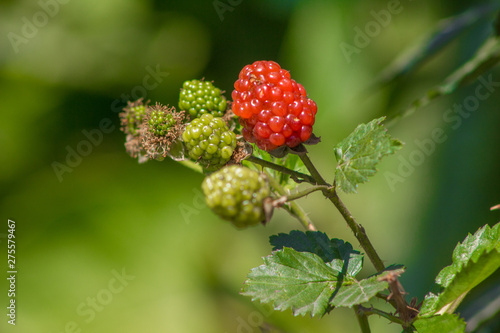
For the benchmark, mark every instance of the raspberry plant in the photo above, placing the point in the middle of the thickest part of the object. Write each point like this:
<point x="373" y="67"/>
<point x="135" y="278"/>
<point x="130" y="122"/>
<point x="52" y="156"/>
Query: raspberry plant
<point x="256" y="168"/>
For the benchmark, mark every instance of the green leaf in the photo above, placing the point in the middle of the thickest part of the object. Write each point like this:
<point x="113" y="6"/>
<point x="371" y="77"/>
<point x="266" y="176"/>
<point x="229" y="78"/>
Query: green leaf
<point x="297" y="280"/>
<point x="303" y="282"/>
<point x="476" y="258"/>
<point x="359" y="153"/>
<point x="336" y="253"/>
<point x="446" y="323"/>
<point x="358" y="292"/>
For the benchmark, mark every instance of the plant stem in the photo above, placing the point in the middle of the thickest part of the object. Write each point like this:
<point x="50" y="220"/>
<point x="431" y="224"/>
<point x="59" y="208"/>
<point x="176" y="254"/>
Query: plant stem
<point x="303" y="193"/>
<point x="388" y="316"/>
<point x="294" y="209"/>
<point x="295" y="174"/>
<point x="359" y="232"/>
<point x="362" y="319"/>
<point x="357" y="229"/>
<point x="312" y="169"/>
<point x="391" y="301"/>
<point x="299" y="213"/>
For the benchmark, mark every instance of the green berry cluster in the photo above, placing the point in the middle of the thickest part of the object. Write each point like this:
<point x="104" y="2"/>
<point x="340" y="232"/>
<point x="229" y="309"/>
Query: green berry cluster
<point x="209" y="141"/>
<point x="160" y="122"/>
<point x="236" y="194"/>
<point x="135" y="117"/>
<point x="201" y="97"/>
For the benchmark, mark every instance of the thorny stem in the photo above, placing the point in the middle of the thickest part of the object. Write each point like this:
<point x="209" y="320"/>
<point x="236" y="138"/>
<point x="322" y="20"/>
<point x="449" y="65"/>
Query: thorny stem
<point x="305" y="192"/>
<point x="297" y="176"/>
<point x="318" y="179"/>
<point x="362" y="319"/>
<point x="387" y="299"/>
<point x="372" y="311"/>
<point x="358" y="230"/>
<point x="298" y="212"/>
<point x="294" y="209"/>
<point x="407" y="313"/>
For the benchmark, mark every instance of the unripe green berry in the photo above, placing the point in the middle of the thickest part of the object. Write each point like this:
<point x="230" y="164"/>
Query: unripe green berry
<point x="203" y="140"/>
<point x="131" y="120"/>
<point x="135" y="117"/>
<point x="199" y="97"/>
<point x="160" y="122"/>
<point x="236" y="194"/>
<point x="161" y="128"/>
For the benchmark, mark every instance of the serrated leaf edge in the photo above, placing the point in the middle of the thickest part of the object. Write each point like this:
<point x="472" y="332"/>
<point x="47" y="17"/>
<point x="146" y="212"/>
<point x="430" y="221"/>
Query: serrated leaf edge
<point x="473" y="259"/>
<point x="375" y="124"/>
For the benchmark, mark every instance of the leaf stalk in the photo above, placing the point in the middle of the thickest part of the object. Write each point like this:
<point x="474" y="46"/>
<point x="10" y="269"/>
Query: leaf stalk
<point x="296" y="176"/>
<point x="293" y="208"/>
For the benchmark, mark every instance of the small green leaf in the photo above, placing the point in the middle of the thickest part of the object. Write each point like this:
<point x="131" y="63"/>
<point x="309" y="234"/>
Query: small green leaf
<point x="358" y="292"/>
<point x="446" y="323"/>
<point x="297" y="280"/>
<point x="303" y="282"/>
<point x="336" y="253"/>
<point x="476" y="258"/>
<point x="359" y="153"/>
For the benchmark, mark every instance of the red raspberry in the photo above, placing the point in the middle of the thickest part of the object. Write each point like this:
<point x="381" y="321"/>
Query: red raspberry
<point x="274" y="109"/>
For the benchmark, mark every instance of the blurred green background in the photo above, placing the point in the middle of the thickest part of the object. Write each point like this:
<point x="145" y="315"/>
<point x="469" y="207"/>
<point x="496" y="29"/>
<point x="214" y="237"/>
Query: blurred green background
<point x="104" y="214"/>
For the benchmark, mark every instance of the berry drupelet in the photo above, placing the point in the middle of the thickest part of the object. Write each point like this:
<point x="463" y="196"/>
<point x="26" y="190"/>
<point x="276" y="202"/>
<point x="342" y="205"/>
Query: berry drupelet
<point x="161" y="127"/>
<point x="209" y="141"/>
<point x="160" y="122"/>
<point x="201" y="97"/>
<point x="274" y="109"/>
